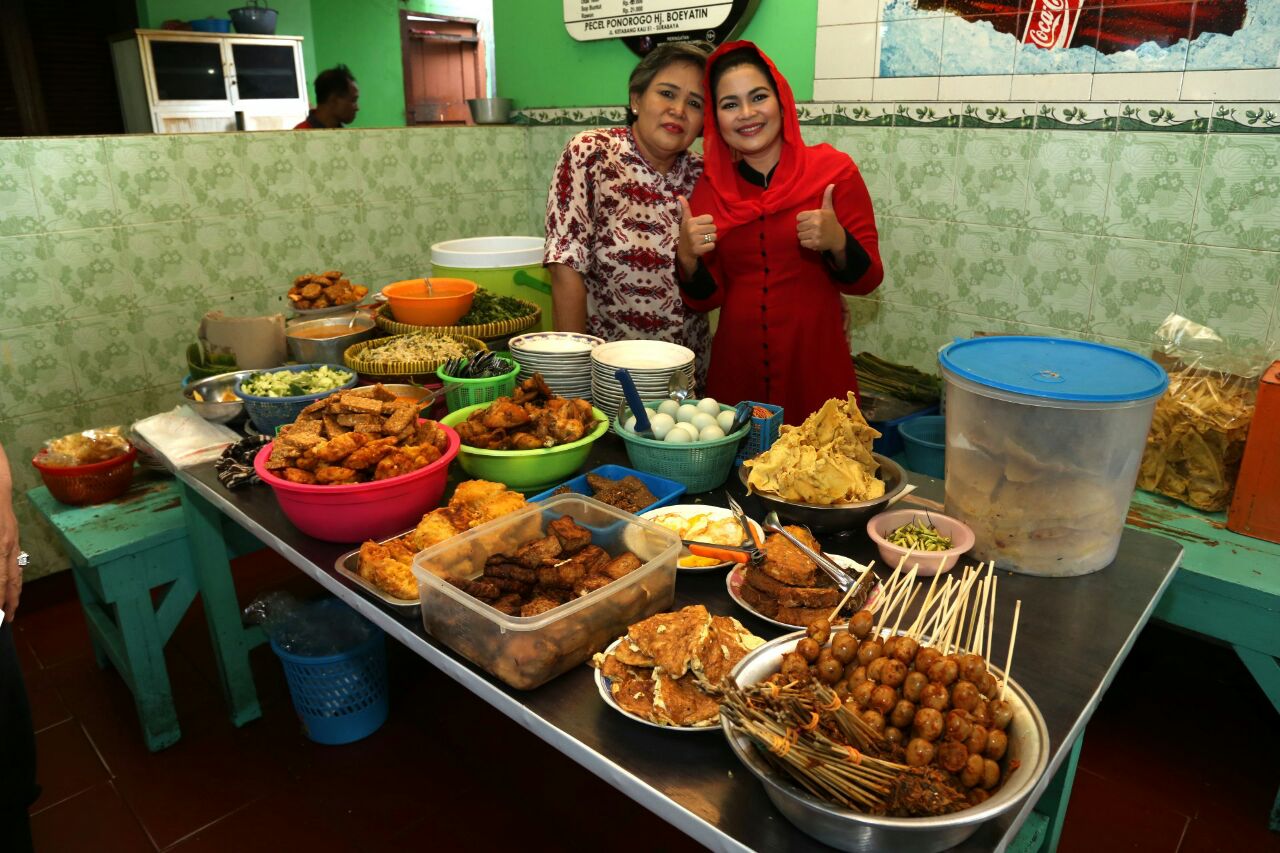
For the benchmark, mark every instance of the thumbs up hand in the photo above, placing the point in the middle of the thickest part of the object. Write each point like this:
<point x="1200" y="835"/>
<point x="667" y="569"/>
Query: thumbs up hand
<point x="819" y="229"/>
<point x="697" y="237"/>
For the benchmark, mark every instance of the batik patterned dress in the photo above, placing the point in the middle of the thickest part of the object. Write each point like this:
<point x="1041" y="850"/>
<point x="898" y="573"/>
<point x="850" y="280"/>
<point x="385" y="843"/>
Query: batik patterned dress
<point x="615" y="219"/>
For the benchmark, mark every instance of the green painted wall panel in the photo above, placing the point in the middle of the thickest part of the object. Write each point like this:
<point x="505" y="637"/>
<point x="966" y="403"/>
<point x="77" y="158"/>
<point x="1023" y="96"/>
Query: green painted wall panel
<point x="540" y="65"/>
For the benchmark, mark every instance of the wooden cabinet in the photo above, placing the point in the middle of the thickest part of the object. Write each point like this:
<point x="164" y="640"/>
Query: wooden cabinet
<point x="183" y="82"/>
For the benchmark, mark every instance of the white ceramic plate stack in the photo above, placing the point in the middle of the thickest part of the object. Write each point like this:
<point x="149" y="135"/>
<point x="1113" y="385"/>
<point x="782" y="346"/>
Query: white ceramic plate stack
<point x="563" y="359"/>
<point x="650" y="363"/>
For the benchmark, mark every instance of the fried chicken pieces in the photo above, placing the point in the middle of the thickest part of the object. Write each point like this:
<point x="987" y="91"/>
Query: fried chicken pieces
<point x="667" y="666"/>
<point x="543" y="573"/>
<point x="531" y="418"/>
<point x="324" y="290"/>
<point x="356" y="436"/>
<point x="474" y="502"/>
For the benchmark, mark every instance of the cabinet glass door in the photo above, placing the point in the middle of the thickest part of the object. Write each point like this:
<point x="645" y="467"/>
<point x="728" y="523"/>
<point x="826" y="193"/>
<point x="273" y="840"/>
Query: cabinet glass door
<point x="265" y="72"/>
<point x="188" y="71"/>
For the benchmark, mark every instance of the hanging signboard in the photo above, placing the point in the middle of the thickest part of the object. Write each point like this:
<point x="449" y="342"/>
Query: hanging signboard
<point x="644" y="24"/>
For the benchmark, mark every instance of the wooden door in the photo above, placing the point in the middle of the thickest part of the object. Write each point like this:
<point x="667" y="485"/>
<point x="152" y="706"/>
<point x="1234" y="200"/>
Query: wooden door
<point x="443" y="67"/>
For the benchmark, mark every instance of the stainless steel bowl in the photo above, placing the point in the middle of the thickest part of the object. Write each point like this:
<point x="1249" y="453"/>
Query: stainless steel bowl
<point x="327" y="350"/>
<point x="490" y="110"/>
<point x="210" y="389"/>
<point x="853" y="831"/>
<point x="828" y="519"/>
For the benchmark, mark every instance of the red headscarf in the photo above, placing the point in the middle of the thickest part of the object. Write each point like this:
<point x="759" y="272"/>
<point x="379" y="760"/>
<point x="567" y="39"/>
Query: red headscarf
<point x="802" y="174"/>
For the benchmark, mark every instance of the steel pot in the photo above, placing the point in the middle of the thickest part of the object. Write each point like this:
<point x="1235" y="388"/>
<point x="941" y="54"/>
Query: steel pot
<point x="254" y="19"/>
<point x="490" y="110"/>
<point x="327" y="350"/>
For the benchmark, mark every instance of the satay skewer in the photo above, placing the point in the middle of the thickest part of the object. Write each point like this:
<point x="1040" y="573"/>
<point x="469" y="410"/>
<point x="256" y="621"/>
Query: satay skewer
<point x="906" y="605"/>
<point x="962" y="598"/>
<point x="852" y="589"/>
<point x="991" y="620"/>
<point x="1013" y="636"/>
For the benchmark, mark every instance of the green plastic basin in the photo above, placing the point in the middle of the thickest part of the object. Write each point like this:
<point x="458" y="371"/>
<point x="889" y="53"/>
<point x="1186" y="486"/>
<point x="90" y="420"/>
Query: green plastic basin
<point x="527" y="471"/>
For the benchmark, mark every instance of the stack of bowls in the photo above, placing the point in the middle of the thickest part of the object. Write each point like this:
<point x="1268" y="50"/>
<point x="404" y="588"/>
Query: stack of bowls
<point x="563" y="359"/>
<point x="651" y="364"/>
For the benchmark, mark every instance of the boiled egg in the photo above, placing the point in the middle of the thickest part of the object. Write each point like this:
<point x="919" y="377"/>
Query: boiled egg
<point x="686" y="412"/>
<point x="709" y="405"/>
<point x="669" y="407"/>
<point x="725" y="420"/>
<point x="661" y="424"/>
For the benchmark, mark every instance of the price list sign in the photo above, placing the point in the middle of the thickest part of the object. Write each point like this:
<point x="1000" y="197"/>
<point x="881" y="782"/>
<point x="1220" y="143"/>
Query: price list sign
<point x="591" y="20"/>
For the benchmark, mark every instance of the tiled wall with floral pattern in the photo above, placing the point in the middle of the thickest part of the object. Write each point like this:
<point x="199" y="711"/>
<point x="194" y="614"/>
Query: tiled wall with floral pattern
<point x="111" y="250"/>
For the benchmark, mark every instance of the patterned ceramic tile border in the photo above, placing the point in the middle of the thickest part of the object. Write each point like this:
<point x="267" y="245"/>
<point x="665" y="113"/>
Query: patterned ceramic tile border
<point x="1168" y="117"/>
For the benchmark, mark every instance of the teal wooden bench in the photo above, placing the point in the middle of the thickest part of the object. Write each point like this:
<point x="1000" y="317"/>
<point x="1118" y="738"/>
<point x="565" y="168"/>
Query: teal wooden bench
<point x="1228" y="588"/>
<point x="120" y="552"/>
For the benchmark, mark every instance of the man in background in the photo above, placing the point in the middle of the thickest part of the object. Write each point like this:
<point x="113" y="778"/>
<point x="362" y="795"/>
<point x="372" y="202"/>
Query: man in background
<point x="18" y="788"/>
<point x="337" y="100"/>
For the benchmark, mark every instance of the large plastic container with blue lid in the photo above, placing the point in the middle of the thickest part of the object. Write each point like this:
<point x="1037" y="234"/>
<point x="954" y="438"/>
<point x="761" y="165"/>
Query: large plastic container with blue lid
<point x="1044" y="438"/>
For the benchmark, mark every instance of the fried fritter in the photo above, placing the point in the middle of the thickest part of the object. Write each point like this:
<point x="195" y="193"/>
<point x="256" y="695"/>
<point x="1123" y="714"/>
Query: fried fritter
<point x="634" y="695"/>
<point x="298" y="475"/>
<point x="532" y="554"/>
<point x="785" y="563"/>
<point x="331" y="474"/>
<point x="672" y="639"/>
<point x="371" y="454"/>
<point x="621" y="566"/>
<point x="572" y="535"/>
<point x="340" y="447"/>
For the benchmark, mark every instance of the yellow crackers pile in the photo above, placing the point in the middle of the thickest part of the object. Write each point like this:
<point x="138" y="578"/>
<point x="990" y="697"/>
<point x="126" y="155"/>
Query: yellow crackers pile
<point x="662" y="670"/>
<point x="355" y="436"/>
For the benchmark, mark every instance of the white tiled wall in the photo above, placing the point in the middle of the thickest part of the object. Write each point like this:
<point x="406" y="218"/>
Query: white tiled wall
<point x="851" y="35"/>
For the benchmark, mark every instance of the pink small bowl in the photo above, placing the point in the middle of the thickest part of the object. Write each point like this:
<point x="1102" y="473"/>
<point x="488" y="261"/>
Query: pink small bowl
<point x="930" y="562"/>
<point x="374" y="510"/>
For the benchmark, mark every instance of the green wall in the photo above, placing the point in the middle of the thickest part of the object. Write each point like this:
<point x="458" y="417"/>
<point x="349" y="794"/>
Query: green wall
<point x="540" y="65"/>
<point x="294" y="19"/>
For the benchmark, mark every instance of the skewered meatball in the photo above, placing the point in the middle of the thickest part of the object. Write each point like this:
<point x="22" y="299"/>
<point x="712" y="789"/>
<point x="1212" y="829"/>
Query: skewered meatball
<point x="935" y="696"/>
<point x="874" y="718"/>
<point x="972" y="772"/>
<point x="869" y="650"/>
<point x="903" y="713"/>
<point x="982" y="713"/>
<point x="952" y="756"/>
<point x="844" y="647"/>
<point x="842" y="690"/>
<point x="978" y="796"/>
<point x="964" y="695"/>
<point x="795" y="667"/>
<point x="988" y="685"/>
<point x="977" y="741"/>
<point x="830" y="670"/>
<point x="860" y="695"/>
<point x="945" y="671"/>
<point x="913" y="684"/>
<point x="858" y="675"/>
<point x="1001" y="713"/>
<point x="972" y="668"/>
<point x="875" y="669"/>
<point x="997" y="743"/>
<point x="890" y="643"/>
<point x="926" y="658"/>
<point x="958" y="725"/>
<point x="808" y="649"/>
<point x="883" y="698"/>
<point x="990" y="774"/>
<point x="906" y="649"/>
<point x="819" y="630"/>
<point x="927" y="724"/>
<point x="893" y="672"/>
<point x="919" y="752"/>
<point x="894" y="735"/>
<point x="860" y="624"/>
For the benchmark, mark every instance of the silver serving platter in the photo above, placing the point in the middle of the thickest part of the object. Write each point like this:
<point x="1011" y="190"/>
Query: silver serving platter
<point x="845" y="829"/>
<point x="348" y="565"/>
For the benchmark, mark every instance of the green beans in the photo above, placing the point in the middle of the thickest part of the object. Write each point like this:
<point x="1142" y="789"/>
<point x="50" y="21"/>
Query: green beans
<point x="919" y="536"/>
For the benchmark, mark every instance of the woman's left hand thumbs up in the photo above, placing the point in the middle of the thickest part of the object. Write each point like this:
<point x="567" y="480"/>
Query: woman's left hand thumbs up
<point x="819" y="229"/>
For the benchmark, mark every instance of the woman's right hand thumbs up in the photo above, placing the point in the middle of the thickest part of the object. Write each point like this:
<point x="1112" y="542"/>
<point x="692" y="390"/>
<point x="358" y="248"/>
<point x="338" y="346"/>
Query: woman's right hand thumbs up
<point x="697" y="237"/>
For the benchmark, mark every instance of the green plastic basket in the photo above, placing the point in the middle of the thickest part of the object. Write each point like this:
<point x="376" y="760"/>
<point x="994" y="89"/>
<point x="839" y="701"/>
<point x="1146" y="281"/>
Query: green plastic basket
<point x="467" y="392"/>
<point x="700" y="467"/>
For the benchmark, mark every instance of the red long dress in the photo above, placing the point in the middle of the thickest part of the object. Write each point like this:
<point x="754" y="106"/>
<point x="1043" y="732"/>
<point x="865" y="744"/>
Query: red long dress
<point x="781" y="336"/>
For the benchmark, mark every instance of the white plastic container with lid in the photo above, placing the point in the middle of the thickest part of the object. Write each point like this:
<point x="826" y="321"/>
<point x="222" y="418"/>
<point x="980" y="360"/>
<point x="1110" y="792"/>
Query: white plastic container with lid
<point x="1044" y="438"/>
<point x="527" y="651"/>
<point x="508" y="266"/>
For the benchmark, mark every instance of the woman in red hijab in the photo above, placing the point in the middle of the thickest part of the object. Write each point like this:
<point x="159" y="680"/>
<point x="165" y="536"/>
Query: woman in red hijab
<point x="775" y="233"/>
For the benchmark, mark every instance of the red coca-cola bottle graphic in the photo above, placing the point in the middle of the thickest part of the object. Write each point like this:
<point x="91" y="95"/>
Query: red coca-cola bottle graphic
<point x="1110" y="26"/>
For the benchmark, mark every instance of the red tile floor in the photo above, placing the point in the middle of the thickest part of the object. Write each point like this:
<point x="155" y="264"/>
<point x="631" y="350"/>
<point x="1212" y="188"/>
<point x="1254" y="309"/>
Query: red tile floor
<point x="1182" y="756"/>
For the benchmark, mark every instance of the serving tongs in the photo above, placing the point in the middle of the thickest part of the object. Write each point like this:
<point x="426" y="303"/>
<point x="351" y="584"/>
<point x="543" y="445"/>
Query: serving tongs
<point x="839" y="576"/>
<point x="724" y="553"/>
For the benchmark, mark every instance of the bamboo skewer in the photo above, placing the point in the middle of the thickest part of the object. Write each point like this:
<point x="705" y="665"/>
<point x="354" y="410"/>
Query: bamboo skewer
<point x="991" y="620"/>
<point x="1013" y="636"/>
<point x="906" y="605"/>
<point x="924" y="608"/>
<point x="854" y="587"/>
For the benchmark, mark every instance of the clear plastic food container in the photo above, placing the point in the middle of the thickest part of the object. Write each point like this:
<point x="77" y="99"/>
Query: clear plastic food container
<point x="1044" y="438"/>
<point x="526" y="652"/>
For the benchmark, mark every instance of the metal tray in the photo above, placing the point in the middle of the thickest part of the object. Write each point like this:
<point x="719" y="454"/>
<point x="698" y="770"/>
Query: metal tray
<point x="348" y="565"/>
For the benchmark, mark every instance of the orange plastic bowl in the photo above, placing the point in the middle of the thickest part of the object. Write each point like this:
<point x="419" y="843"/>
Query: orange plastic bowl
<point x="450" y="298"/>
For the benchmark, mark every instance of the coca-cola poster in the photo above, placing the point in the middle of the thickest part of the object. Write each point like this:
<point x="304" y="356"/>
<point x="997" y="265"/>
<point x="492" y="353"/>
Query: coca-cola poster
<point x="927" y="38"/>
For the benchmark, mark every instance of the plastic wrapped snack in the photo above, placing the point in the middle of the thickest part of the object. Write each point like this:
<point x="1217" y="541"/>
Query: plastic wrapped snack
<point x="1200" y="425"/>
<point x="85" y="447"/>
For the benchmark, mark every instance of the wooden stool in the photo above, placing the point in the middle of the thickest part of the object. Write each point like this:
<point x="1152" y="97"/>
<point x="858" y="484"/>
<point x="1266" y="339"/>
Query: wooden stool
<point x="120" y="552"/>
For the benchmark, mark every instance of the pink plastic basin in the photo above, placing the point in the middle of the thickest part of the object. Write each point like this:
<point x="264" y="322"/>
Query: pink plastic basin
<point x="351" y="513"/>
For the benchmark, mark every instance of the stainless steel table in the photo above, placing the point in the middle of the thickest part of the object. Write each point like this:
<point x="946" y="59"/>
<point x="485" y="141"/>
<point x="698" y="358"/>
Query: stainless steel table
<point x="1073" y="636"/>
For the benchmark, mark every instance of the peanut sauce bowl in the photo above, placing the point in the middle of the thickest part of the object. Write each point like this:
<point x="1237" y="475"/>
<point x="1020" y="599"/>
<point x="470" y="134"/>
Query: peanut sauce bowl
<point x="846" y="829"/>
